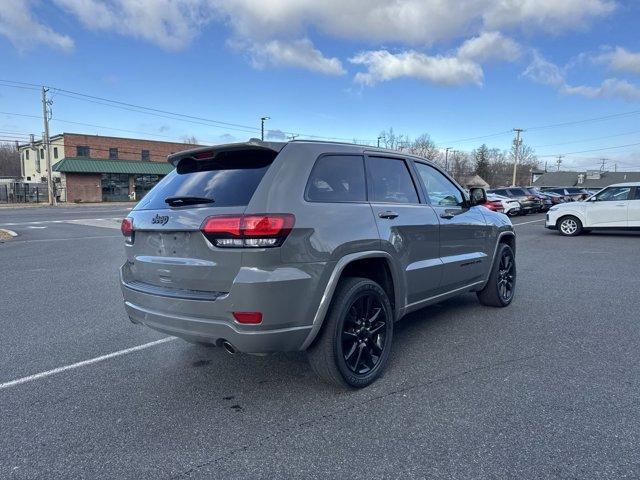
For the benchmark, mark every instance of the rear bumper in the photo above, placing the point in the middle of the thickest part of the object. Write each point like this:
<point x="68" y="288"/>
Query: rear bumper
<point x="285" y="298"/>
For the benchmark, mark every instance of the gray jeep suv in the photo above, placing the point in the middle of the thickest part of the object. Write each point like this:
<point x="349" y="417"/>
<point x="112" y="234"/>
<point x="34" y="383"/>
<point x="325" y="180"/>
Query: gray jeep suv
<point x="262" y="247"/>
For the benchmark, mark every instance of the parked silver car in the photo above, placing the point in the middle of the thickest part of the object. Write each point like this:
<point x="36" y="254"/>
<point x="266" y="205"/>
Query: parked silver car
<point x="261" y="247"/>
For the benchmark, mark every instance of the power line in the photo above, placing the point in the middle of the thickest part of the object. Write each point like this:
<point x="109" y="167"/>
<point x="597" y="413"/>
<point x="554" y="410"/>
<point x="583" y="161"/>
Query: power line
<point x="101" y="126"/>
<point x="594" y="150"/>
<point x="165" y="113"/>
<point x="586" y="120"/>
<point x="586" y="140"/>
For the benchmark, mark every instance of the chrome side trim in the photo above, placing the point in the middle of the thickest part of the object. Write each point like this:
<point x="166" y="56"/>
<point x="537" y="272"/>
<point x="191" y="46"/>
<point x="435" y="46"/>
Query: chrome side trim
<point x="450" y="292"/>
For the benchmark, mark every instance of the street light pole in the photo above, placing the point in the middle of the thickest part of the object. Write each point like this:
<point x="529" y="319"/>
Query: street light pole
<point x="446" y="158"/>
<point x="262" y="120"/>
<point x="380" y="138"/>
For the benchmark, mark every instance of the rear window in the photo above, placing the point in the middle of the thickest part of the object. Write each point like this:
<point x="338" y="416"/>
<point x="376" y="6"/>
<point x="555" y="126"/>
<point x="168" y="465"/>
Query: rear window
<point x="517" y="191"/>
<point x="229" y="179"/>
<point x="337" y="178"/>
<point x="390" y="181"/>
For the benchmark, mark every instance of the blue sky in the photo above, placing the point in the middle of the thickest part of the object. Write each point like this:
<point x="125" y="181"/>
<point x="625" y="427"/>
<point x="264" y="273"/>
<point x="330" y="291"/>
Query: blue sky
<point x="346" y="69"/>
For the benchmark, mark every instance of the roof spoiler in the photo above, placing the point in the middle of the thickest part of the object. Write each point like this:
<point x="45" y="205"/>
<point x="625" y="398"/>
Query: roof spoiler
<point x="212" y="151"/>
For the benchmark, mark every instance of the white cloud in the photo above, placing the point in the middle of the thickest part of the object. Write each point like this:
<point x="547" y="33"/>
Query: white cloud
<point x="610" y="88"/>
<point x="298" y="53"/>
<point x="489" y="46"/>
<point x="621" y="60"/>
<point x="410" y="22"/>
<point x="25" y="32"/>
<point x="171" y="24"/>
<point x="541" y="70"/>
<point x="384" y="66"/>
<point x="547" y="15"/>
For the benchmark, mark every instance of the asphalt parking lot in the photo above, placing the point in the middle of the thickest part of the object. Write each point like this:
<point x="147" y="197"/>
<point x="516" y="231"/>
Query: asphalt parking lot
<point x="547" y="388"/>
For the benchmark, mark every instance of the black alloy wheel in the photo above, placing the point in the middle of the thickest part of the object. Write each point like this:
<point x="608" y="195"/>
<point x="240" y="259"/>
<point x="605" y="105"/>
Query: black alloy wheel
<point x="364" y="334"/>
<point x="506" y="275"/>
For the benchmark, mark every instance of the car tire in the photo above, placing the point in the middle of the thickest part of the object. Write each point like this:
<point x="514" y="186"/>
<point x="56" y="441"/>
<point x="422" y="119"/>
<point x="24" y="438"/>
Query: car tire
<point x="569" y="226"/>
<point x="500" y="288"/>
<point x="351" y="350"/>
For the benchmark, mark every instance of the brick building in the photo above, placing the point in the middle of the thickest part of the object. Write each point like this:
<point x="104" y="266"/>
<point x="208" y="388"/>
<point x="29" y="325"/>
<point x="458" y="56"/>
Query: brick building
<point x="94" y="168"/>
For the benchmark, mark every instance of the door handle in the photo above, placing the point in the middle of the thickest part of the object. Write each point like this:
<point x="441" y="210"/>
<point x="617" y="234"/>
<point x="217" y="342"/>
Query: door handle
<point x="621" y="204"/>
<point x="388" y="214"/>
<point x="448" y="216"/>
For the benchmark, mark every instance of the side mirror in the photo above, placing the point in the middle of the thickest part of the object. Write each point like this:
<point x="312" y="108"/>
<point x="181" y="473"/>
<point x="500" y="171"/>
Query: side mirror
<point x="478" y="196"/>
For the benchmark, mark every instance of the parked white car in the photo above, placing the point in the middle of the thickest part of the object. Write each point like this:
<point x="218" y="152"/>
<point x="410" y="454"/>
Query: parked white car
<point x="510" y="206"/>
<point x="616" y="206"/>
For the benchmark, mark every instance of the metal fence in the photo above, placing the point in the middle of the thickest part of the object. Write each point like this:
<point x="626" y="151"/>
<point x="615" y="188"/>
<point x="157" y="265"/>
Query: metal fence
<point x="19" y="192"/>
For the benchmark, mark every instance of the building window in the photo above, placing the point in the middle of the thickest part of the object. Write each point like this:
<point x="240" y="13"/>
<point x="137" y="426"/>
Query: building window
<point x="113" y="154"/>
<point x="82" y="151"/>
<point x="55" y="152"/>
<point x="41" y="153"/>
<point x="144" y="156"/>
<point x="26" y="154"/>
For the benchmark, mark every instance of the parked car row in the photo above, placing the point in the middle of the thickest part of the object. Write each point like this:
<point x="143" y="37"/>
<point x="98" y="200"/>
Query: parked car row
<point x="524" y="200"/>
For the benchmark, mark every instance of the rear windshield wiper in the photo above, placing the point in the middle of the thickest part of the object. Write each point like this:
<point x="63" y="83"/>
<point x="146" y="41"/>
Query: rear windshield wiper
<point x="187" y="200"/>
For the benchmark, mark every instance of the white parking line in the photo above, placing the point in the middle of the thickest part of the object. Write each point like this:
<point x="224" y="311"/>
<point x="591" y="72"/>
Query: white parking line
<point x="69" y="220"/>
<point x="525" y="223"/>
<point x="84" y="363"/>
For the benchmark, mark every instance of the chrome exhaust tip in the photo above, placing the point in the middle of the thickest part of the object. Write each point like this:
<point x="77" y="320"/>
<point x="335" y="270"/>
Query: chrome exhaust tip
<point x="230" y="349"/>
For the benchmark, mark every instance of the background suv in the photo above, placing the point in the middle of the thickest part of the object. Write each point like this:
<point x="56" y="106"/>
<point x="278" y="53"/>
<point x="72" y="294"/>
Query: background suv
<point x="614" y="207"/>
<point x="261" y="247"/>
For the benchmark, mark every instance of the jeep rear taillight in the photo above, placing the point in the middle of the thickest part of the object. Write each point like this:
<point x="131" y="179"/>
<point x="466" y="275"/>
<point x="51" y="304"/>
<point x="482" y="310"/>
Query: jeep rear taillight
<point x="248" y="231"/>
<point x="126" y="227"/>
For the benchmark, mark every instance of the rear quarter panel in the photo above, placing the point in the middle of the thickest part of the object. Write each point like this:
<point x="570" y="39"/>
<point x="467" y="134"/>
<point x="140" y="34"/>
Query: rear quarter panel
<point x="323" y="232"/>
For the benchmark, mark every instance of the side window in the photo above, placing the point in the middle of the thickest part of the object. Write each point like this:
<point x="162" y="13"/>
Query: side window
<point x="440" y="190"/>
<point x="518" y="192"/>
<point x="390" y="181"/>
<point x="613" y="194"/>
<point x="337" y="178"/>
<point x="637" y="193"/>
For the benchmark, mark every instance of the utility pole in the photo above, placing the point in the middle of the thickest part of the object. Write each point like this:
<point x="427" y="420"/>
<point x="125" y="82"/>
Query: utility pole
<point x="515" y="159"/>
<point x="558" y="162"/>
<point x="262" y="120"/>
<point x="604" y="161"/>
<point x="45" y="144"/>
<point x="446" y="158"/>
<point x="380" y="138"/>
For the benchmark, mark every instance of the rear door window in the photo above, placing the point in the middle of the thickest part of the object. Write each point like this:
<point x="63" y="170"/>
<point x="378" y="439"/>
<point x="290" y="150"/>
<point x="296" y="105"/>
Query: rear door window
<point x="337" y="178"/>
<point x="229" y="179"/>
<point x="390" y="181"/>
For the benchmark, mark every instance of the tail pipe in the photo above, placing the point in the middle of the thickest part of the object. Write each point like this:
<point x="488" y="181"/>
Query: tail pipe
<point x="230" y="349"/>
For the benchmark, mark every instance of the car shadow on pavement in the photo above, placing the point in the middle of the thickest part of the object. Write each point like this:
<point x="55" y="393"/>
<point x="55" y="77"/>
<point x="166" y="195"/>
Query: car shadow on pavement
<point x="418" y="335"/>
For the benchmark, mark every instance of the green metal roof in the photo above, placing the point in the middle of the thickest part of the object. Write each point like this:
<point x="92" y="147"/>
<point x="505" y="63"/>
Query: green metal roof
<point x="97" y="165"/>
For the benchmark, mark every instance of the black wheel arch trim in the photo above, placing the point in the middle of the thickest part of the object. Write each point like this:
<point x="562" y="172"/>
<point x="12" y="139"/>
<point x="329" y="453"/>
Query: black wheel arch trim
<point x="329" y="290"/>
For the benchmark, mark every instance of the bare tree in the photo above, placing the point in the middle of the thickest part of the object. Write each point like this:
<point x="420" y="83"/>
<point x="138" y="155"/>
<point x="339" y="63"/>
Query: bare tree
<point x="423" y="146"/>
<point x="9" y="160"/>
<point x="190" y="140"/>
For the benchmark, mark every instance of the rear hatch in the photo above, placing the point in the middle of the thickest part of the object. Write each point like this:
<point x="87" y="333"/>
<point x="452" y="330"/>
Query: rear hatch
<point x="168" y="254"/>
